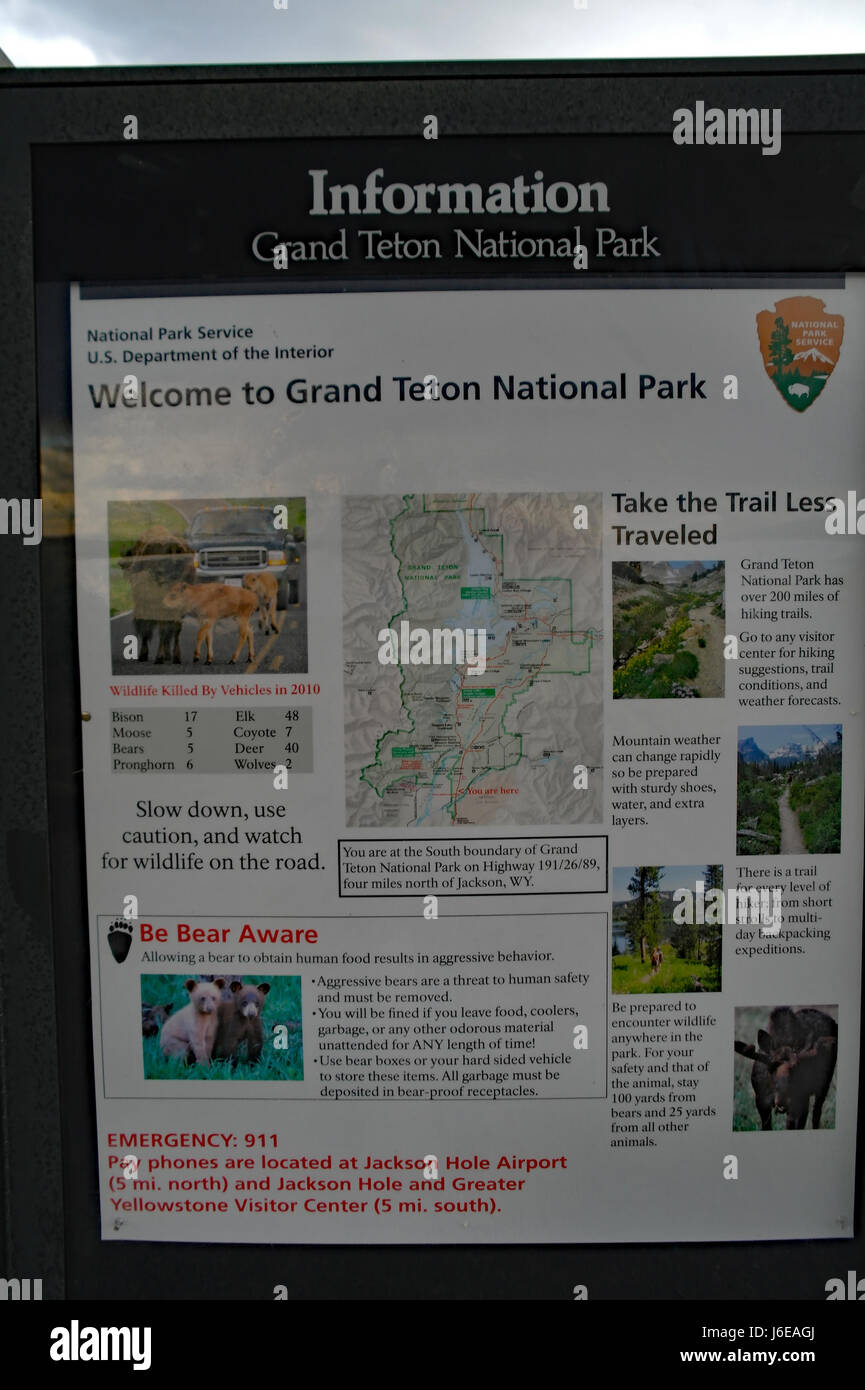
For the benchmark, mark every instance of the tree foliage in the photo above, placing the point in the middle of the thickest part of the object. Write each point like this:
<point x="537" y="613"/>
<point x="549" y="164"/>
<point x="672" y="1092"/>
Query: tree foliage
<point x="643" y="913"/>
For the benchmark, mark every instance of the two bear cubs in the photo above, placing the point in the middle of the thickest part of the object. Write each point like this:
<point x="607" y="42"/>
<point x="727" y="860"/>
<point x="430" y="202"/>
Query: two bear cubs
<point x="216" y="1022"/>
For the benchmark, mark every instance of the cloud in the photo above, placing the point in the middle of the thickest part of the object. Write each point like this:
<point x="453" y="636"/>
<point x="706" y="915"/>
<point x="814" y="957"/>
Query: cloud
<point x="53" y="51"/>
<point x="252" y="31"/>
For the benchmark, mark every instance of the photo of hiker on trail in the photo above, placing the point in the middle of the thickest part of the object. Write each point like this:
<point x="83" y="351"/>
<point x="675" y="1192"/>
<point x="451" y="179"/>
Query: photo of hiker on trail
<point x="664" y="939"/>
<point x="789" y="789"/>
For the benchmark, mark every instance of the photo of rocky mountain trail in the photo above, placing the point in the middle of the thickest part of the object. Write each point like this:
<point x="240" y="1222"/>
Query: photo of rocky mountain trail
<point x="668" y="629"/>
<point x="789" y="789"/>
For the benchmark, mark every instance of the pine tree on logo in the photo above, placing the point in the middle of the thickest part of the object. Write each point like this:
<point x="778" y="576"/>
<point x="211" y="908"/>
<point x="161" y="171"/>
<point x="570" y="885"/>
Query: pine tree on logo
<point x="780" y="350"/>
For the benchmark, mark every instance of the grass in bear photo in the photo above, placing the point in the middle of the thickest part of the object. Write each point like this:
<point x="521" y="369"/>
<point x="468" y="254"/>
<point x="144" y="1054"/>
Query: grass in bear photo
<point x="281" y="1025"/>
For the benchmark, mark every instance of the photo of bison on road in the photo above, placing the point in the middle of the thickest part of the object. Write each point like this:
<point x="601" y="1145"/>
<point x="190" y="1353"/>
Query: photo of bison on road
<point x="793" y="1061"/>
<point x="195" y="572"/>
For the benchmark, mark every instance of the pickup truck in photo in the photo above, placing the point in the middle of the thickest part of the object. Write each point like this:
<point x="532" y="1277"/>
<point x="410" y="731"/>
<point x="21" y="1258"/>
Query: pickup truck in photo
<point x="229" y="542"/>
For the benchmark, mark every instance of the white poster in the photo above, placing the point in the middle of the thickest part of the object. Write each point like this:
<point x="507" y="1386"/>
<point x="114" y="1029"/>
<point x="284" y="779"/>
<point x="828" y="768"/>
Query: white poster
<point x="473" y="775"/>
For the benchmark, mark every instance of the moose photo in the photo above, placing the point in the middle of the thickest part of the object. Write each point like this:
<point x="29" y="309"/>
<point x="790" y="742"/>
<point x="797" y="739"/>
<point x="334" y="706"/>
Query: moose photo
<point x="793" y="1063"/>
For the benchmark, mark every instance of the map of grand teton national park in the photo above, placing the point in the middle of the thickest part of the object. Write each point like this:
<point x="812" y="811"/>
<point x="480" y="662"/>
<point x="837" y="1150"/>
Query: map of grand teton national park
<point x="446" y="744"/>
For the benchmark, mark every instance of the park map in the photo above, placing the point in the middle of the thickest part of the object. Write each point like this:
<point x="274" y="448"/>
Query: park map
<point x="432" y="745"/>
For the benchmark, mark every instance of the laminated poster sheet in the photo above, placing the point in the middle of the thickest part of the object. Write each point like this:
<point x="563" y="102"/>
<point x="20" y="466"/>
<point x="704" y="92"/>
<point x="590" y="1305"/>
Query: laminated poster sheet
<point x="473" y="777"/>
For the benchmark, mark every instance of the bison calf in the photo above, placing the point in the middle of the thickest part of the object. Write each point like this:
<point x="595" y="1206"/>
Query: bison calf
<point x="265" y="588"/>
<point x="209" y="603"/>
<point x="793" y="1061"/>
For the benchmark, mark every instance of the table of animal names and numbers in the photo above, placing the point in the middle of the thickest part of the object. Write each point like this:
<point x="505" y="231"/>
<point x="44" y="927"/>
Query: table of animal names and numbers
<point x="214" y="739"/>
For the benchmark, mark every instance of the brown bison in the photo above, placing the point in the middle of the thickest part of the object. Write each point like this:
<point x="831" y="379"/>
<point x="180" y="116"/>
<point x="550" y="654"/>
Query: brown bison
<point x="793" y="1061"/>
<point x="209" y="603"/>
<point x="157" y="560"/>
<point x="265" y="588"/>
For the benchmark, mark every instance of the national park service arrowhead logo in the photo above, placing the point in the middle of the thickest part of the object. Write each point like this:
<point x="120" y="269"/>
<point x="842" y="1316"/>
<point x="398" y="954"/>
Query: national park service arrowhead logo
<point x="800" y="344"/>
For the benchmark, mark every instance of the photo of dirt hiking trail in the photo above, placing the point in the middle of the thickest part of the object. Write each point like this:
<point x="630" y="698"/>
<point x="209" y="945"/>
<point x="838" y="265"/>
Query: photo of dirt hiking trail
<point x="789" y="789"/>
<point x="668" y="629"/>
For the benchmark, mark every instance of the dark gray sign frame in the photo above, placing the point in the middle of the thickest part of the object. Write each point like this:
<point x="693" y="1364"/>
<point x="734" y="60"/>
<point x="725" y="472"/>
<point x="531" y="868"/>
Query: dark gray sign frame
<point x="47" y="1160"/>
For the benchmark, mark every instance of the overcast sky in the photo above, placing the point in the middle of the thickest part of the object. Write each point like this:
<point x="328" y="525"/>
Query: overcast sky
<point x="81" y="33"/>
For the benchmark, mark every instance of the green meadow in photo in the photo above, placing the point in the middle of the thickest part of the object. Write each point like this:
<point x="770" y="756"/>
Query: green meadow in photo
<point x="647" y="917"/>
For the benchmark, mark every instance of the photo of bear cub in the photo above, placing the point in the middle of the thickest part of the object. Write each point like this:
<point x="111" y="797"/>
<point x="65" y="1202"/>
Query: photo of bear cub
<point x="228" y="1028"/>
<point x="152" y="1018"/>
<point x="227" y="982"/>
<point x="240" y="1023"/>
<point x="191" y="1033"/>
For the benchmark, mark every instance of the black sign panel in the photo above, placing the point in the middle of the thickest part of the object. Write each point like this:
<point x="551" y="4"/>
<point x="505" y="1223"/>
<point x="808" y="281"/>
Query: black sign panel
<point x="542" y="175"/>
